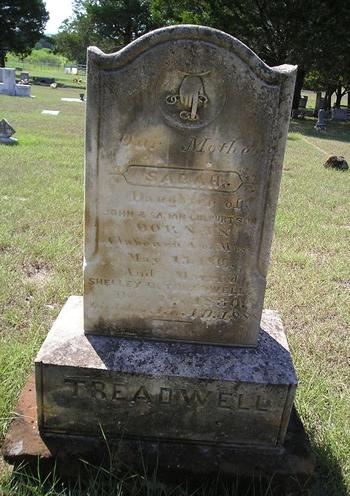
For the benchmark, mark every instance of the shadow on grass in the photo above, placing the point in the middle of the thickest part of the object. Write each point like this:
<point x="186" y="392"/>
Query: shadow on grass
<point x="329" y="480"/>
<point x="337" y="131"/>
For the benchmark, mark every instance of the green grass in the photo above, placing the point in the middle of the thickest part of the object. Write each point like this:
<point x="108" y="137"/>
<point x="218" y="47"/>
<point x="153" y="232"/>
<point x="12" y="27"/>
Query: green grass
<point x="41" y="200"/>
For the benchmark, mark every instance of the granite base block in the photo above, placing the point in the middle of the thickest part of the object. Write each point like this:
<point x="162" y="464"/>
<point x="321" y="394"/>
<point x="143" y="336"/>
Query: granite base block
<point x="162" y="391"/>
<point x="71" y="456"/>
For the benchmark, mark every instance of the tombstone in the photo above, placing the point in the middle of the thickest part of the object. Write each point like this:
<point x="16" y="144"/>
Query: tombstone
<point x="24" y="76"/>
<point x="9" y="86"/>
<point x="320" y="124"/>
<point x="303" y="102"/>
<point x="6" y="132"/>
<point x="9" y="81"/>
<point x="339" y="114"/>
<point x="166" y="233"/>
<point x="185" y="135"/>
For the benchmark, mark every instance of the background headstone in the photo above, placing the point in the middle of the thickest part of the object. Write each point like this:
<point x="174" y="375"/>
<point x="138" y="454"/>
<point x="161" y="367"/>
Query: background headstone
<point x="303" y="102"/>
<point x="321" y="124"/>
<point x="9" y="81"/>
<point x="6" y="132"/>
<point x="24" y="76"/>
<point x="9" y="86"/>
<point x="339" y="114"/>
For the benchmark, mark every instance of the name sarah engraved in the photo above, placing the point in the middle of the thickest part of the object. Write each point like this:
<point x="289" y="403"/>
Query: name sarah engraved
<point x="182" y="178"/>
<point x="191" y="397"/>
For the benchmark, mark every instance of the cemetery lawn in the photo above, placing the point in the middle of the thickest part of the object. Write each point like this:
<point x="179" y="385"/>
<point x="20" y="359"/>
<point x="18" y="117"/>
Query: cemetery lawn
<point x="41" y="198"/>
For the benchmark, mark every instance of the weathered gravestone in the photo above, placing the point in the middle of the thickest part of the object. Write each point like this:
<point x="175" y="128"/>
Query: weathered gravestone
<point x="185" y="144"/>
<point x="321" y="124"/>
<point x="6" y="133"/>
<point x="185" y="136"/>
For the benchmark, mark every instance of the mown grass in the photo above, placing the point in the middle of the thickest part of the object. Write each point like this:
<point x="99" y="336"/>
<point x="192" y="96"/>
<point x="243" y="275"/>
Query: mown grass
<point x="41" y="200"/>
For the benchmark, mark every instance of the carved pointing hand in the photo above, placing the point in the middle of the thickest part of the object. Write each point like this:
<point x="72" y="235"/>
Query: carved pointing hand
<point x="191" y="87"/>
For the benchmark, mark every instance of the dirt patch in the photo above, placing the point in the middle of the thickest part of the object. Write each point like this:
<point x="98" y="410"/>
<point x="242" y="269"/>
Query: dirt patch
<point x="4" y="249"/>
<point x="345" y="284"/>
<point x="38" y="270"/>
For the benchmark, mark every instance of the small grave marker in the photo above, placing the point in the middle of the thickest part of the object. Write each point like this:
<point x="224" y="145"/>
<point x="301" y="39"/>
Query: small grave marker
<point x="50" y="112"/>
<point x="6" y="132"/>
<point x="79" y="100"/>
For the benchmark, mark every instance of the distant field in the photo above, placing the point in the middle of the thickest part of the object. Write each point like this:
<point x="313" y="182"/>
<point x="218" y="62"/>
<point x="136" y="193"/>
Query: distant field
<point x="56" y="72"/>
<point x="41" y="200"/>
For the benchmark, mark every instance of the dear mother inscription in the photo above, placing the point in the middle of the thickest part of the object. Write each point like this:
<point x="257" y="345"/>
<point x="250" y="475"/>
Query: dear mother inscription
<point x="184" y="150"/>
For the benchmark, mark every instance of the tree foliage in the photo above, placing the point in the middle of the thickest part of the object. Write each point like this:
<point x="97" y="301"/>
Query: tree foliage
<point x="106" y="23"/>
<point x="309" y="34"/>
<point x="21" y="25"/>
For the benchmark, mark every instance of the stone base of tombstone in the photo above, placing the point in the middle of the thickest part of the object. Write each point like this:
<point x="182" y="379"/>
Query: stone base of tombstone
<point x="8" y="141"/>
<point x="23" y="89"/>
<point x="201" y="409"/>
<point x="290" y="469"/>
<point x="194" y="393"/>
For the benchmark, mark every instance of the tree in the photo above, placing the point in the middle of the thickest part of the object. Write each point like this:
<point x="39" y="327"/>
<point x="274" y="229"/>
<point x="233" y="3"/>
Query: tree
<point x="106" y="23"/>
<point x="22" y="23"/>
<point x="120" y="21"/>
<point x="279" y="31"/>
<point x="45" y="42"/>
<point x="74" y="37"/>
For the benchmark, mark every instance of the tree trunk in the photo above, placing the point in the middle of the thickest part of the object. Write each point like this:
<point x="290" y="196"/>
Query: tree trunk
<point x="339" y="94"/>
<point x="328" y="97"/>
<point x="298" y="87"/>
<point x="2" y="58"/>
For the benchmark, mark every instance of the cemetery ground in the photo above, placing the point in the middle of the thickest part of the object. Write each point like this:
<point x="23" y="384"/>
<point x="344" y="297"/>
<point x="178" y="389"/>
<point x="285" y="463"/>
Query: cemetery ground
<point x="41" y="197"/>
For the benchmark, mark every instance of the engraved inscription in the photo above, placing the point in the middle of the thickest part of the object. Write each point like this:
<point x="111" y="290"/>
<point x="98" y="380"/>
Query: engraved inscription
<point x="160" y="395"/>
<point x="203" y="145"/>
<point x="208" y="145"/>
<point x="182" y="178"/>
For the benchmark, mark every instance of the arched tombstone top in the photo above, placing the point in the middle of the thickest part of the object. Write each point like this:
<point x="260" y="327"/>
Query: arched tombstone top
<point x="182" y="32"/>
<point x="185" y="135"/>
